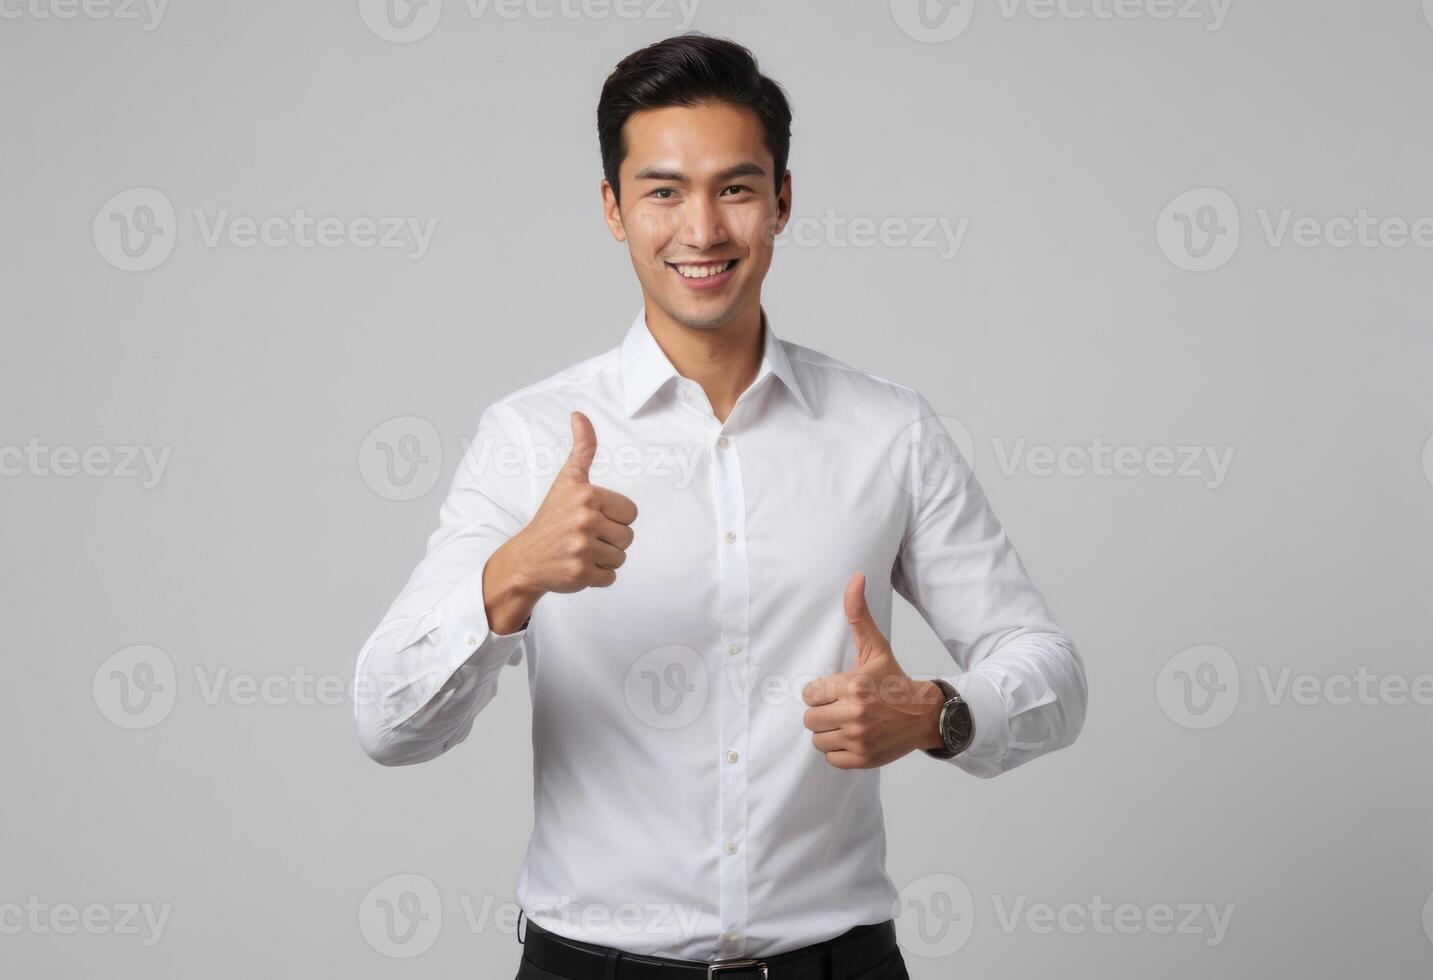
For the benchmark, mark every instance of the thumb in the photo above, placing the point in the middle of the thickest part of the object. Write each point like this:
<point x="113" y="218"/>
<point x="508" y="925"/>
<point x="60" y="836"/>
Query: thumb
<point x="584" y="447"/>
<point x="869" y="641"/>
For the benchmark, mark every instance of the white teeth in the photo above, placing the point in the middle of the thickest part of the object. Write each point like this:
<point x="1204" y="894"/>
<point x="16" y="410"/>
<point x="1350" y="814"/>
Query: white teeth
<point x="702" y="271"/>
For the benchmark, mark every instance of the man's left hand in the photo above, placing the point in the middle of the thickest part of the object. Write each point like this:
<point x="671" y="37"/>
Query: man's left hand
<point x="874" y="713"/>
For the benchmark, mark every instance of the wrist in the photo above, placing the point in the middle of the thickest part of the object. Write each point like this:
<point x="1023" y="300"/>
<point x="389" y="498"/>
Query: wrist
<point x="932" y="701"/>
<point x="508" y="595"/>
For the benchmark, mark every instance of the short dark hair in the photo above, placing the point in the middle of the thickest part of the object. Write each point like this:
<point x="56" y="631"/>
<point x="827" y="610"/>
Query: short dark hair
<point x="687" y="70"/>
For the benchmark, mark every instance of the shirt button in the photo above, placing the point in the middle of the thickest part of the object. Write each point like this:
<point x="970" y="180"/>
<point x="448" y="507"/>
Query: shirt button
<point x="730" y="537"/>
<point x="735" y="648"/>
<point x="732" y="757"/>
<point x="733" y="937"/>
<point x="470" y="639"/>
<point x="723" y="442"/>
<point x="687" y="394"/>
<point x="730" y="847"/>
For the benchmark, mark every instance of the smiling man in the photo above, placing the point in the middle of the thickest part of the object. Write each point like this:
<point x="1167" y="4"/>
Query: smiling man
<point x="712" y="686"/>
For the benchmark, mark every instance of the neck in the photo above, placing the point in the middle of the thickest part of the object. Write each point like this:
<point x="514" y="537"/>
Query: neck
<point x="723" y="360"/>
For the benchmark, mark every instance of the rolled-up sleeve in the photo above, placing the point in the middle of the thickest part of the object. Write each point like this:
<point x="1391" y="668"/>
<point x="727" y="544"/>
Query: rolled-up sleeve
<point x="433" y="662"/>
<point x="1022" y="677"/>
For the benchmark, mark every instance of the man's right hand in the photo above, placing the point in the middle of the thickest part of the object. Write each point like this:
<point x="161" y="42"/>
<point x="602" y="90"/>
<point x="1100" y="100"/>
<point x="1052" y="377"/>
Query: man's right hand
<point x="578" y="538"/>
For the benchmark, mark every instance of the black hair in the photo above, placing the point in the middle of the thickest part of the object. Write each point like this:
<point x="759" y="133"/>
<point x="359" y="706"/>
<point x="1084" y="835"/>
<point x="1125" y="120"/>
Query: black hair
<point x="687" y="70"/>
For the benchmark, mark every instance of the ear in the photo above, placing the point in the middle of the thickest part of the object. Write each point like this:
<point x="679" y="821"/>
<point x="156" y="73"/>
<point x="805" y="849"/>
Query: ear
<point x="783" y="203"/>
<point x="612" y="211"/>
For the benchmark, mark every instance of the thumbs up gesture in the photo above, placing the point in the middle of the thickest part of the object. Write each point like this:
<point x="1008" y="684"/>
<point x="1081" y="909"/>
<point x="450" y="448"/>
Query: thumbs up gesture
<point x="578" y="538"/>
<point x="874" y="713"/>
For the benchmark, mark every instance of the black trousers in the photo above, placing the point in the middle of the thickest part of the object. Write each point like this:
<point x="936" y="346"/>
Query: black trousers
<point x="891" y="968"/>
<point x="894" y="969"/>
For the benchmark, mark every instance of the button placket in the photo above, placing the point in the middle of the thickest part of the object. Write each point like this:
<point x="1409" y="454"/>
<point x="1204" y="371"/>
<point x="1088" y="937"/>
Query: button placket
<point x="692" y="399"/>
<point x="729" y="498"/>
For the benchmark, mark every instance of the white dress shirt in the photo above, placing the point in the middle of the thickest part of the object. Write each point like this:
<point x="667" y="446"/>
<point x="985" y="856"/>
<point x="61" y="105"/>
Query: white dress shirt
<point x="680" y="808"/>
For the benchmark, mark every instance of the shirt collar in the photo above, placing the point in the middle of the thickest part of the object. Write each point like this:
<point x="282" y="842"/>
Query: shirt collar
<point x="646" y="368"/>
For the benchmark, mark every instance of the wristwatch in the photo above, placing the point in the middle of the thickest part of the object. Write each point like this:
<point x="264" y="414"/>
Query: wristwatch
<point x="957" y="728"/>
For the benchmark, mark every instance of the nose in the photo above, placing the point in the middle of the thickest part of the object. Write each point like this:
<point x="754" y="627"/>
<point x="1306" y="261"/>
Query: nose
<point x="702" y="224"/>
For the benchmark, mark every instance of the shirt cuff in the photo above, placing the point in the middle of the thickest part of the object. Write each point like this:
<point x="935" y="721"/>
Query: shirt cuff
<point x="463" y="626"/>
<point x="992" y="725"/>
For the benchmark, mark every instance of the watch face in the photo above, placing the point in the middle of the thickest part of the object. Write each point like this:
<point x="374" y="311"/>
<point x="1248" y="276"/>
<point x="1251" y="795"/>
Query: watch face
<point x="959" y="729"/>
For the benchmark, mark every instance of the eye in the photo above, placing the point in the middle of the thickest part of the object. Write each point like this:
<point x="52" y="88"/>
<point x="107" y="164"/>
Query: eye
<point x="660" y="191"/>
<point x="736" y="187"/>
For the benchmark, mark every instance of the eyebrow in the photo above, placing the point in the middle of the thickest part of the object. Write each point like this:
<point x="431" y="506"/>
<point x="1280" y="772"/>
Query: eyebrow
<point x="747" y="169"/>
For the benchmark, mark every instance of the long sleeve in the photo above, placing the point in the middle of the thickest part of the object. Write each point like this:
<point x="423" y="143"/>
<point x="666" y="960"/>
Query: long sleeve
<point x="1022" y="677"/>
<point x="433" y="662"/>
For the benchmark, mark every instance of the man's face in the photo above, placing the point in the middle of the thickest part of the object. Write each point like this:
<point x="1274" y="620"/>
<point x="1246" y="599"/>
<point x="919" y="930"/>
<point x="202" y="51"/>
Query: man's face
<point x="698" y="197"/>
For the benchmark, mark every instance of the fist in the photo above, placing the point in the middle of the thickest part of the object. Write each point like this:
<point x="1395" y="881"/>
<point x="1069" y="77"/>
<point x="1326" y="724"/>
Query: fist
<point x="580" y="534"/>
<point x="874" y="713"/>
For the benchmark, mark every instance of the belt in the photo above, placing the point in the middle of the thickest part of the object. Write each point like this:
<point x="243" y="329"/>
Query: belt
<point x="847" y="955"/>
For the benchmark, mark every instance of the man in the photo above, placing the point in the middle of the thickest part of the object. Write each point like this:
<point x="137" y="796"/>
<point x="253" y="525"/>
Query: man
<point x="701" y="581"/>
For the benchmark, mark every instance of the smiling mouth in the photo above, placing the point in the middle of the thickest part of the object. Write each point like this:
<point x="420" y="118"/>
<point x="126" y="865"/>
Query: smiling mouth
<point x="702" y="270"/>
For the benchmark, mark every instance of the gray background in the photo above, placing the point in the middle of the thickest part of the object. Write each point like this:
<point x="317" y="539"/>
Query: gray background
<point x="268" y="546"/>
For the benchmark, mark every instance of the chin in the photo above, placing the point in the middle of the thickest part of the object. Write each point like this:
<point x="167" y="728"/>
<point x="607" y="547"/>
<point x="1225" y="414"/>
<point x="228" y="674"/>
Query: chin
<point x="704" y="319"/>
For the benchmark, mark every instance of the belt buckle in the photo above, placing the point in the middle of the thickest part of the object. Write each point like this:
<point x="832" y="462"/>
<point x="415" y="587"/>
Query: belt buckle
<point x="754" y="966"/>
